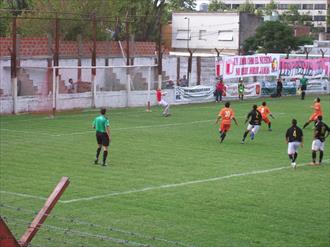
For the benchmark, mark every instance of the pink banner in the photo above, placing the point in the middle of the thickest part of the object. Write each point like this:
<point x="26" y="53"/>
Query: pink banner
<point x="247" y="66"/>
<point x="297" y="67"/>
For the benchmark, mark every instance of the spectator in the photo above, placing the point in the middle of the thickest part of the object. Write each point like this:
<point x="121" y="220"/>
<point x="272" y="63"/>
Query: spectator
<point x="70" y="86"/>
<point x="279" y="87"/>
<point x="219" y="90"/>
<point x="183" y="82"/>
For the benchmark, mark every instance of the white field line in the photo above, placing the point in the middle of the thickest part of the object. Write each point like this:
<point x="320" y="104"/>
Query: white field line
<point x="165" y="186"/>
<point x="119" y="129"/>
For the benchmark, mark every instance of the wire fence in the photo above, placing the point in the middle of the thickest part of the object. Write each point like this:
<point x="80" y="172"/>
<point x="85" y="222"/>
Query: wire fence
<point x="70" y="231"/>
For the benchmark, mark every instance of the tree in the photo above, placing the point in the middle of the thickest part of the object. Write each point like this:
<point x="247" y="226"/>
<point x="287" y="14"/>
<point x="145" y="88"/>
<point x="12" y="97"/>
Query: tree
<point x="270" y="7"/>
<point x="217" y="5"/>
<point x="272" y="36"/>
<point x="247" y="7"/>
<point x="143" y="17"/>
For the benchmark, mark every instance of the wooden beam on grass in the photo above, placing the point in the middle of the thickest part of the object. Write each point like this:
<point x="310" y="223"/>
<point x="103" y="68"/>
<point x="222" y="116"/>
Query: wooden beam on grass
<point x="44" y="212"/>
<point x="6" y="237"/>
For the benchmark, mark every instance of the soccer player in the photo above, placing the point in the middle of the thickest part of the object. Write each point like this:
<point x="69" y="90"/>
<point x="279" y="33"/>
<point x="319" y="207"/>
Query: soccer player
<point x="265" y="111"/>
<point x="226" y="114"/>
<point x="254" y="123"/>
<point x="101" y="125"/>
<point x="294" y="139"/>
<point x="317" y="112"/>
<point x="321" y="132"/>
<point x="162" y="102"/>
<point x="241" y="88"/>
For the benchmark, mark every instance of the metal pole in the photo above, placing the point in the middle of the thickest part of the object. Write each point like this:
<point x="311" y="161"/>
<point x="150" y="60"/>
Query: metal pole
<point x="14" y="65"/>
<point x="160" y="55"/>
<point x="93" y="83"/>
<point x="56" y="63"/>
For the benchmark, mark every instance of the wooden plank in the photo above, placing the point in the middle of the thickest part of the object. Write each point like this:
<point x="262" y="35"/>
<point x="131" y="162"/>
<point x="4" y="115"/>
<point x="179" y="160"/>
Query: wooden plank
<point x="7" y="239"/>
<point x="44" y="212"/>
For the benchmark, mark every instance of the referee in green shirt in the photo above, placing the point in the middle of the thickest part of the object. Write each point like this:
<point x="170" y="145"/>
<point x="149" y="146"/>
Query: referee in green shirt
<point x="101" y="125"/>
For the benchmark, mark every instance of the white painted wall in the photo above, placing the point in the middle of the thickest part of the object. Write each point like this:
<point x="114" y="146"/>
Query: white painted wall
<point x="211" y="23"/>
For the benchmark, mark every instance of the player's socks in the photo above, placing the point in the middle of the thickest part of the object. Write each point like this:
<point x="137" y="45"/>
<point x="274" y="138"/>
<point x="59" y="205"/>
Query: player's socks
<point x="314" y="156"/>
<point x="223" y="135"/>
<point x="270" y="127"/>
<point x="105" y="154"/>
<point x="305" y="125"/>
<point x="252" y="135"/>
<point x="245" y="135"/>
<point x="295" y="157"/>
<point x="98" y="150"/>
<point x="321" y="157"/>
<point x="291" y="157"/>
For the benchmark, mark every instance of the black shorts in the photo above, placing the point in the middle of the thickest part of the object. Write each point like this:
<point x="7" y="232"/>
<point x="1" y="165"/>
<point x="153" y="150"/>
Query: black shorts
<point x="102" y="138"/>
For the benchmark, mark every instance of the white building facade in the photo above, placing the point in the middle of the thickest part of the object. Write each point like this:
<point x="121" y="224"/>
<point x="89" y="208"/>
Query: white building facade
<point x="317" y="9"/>
<point x="203" y="32"/>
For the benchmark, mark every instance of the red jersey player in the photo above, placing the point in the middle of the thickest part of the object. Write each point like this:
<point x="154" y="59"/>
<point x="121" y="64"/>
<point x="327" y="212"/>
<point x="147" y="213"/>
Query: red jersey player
<point x="317" y="112"/>
<point x="265" y="111"/>
<point x="226" y="114"/>
<point x="162" y="102"/>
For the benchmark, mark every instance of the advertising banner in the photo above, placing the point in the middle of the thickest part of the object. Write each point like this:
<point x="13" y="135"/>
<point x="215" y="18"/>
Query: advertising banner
<point x="206" y="93"/>
<point x="268" y="88"/>
<point x="196" y="93"/>
<point x="247" y="66"/>
<point x="297" y="67"/>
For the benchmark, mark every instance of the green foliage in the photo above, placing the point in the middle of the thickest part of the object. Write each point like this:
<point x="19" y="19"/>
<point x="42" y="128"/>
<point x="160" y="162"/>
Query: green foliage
<point x="247" y="7"/>
<point x="305" y="40"/>
<point x="270" y="7"/>
<point x="143" y="15"/>
<point x="292" y="16"/>
<point x="271" y="205"/>
<point x="273" y="36"/>
<point x="217" y="5"/>
<point x="250" y="45"/>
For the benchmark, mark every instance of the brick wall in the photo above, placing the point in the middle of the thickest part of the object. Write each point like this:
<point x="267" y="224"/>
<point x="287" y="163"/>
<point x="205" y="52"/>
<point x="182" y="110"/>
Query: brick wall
<point x="38" y="46"/>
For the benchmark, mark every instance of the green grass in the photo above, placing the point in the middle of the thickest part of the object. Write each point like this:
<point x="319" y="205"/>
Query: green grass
<point x="276" y="208"/>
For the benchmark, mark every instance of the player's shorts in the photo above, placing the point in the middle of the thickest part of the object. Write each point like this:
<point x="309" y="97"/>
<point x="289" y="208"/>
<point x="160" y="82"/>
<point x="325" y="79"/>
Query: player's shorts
<point x="317" y="145"/>
<point x="162" y="103"/>
<point x="253" y="128"/>
<point x="293" y="147"/>
<point x="224" y="127"/>
<point x="266" y="120"/>
<point x="314" y="116"/>
<point x="102" y="138"/>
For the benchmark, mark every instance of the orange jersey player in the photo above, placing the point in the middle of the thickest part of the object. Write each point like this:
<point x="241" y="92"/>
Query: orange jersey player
<point x="317" y="112"/>
<point x="265" y="111"/>
<point x="226" y="114"/>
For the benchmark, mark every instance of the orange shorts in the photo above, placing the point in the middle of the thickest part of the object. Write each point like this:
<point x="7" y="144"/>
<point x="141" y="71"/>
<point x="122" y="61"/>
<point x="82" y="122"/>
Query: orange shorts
<point x="314" y="116"/>
<point x="266" y="120"/>
<point x="225" y="127"/>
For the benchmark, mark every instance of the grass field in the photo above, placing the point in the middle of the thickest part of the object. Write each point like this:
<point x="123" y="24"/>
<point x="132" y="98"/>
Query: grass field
<point x="170" y="182"/>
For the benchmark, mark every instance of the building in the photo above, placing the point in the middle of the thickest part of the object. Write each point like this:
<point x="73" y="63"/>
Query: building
<point x="203" y="32"/>
<point x="317" y="9"/>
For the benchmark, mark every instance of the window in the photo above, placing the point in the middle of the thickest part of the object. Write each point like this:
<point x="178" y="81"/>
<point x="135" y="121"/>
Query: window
<point x="202" y="34"/>
<point x="235" y="6"/>
<point x="282" y="6"/>
<point x="319" y="17"/>
<point x="319" y="6"/>
<point x="260" y="6"/>
<point x="225" y="36"/>
<point x="307" y="6"/>
<point x="183" y="35"/>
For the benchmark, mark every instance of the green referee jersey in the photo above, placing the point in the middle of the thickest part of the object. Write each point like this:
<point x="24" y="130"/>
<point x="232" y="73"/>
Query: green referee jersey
<point x="240" y="88"/>
<point x="101" y="123"/>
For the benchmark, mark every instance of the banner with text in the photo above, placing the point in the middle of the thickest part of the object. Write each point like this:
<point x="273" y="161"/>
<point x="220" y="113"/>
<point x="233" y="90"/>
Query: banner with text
<point x="311" y="68"/>
<point x="247" y="66"/>
<point x="206" y="93"/>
